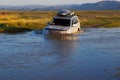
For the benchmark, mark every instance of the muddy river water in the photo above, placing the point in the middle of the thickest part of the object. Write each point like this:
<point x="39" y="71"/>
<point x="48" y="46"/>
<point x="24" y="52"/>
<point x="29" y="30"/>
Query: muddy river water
<point x="92" y="55"/>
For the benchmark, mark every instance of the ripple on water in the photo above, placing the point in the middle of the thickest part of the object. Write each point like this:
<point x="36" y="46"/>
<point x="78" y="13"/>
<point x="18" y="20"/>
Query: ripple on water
<point x="91" y="55"/>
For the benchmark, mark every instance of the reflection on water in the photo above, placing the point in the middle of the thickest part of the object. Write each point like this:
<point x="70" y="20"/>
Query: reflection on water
<point x="62" y="36"/>
<point x="92" y="55"/>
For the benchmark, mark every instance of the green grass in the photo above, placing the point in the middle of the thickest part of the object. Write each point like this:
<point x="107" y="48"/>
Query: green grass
<point x="12" y="20"/>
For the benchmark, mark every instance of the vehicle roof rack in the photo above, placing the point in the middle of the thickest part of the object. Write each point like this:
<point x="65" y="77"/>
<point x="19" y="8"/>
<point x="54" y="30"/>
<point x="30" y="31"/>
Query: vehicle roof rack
<point x="65" y="13"/>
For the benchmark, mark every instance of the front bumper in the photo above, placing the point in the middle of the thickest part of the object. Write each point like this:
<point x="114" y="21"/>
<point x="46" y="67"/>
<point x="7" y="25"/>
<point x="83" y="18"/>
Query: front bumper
<point x="55" y="32"/>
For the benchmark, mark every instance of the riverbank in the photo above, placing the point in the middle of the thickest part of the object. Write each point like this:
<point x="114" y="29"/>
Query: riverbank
<point x="29" y="20"/>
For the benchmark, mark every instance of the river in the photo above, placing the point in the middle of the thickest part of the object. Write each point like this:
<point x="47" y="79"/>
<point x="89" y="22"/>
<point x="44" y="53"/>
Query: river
<point x="91" y="55"/>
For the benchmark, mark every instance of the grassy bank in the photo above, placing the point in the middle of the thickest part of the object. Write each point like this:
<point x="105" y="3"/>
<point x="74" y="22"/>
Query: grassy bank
<point x="11" y="20"/>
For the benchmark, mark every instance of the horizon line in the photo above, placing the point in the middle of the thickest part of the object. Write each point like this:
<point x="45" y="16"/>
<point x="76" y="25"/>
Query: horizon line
<point x="56" y="4"/>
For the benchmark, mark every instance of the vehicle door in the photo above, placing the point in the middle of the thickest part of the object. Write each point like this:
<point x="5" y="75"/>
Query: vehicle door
<point x="75" y="24"/>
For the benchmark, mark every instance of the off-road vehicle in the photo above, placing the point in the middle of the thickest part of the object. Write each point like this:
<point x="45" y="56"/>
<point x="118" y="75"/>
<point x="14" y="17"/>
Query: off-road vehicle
<point x="65" y="22"/>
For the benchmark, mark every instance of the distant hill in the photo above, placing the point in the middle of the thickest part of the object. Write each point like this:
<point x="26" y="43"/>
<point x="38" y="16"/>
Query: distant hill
<point x="102" y="5"/>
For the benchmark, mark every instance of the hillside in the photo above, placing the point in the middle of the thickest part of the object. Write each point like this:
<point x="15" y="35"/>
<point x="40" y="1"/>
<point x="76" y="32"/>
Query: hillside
<point x="102" y="5"/>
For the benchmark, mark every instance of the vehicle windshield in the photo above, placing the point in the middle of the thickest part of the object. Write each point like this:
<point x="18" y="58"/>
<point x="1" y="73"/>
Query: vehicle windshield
<point x="61" y="22"/>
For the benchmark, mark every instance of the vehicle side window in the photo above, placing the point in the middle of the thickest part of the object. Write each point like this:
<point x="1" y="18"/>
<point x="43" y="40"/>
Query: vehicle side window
<point x="74" y="20"/>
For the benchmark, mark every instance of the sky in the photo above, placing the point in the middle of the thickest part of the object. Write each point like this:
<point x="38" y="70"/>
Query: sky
<point x="44" y="2"/>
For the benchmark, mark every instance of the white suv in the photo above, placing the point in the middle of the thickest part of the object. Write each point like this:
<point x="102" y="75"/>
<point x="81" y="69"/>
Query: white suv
<point x="65" y="22"/>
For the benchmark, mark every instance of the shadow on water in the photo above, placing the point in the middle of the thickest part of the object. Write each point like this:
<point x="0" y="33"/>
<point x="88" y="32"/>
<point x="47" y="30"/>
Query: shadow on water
<point x="15" y="30"/>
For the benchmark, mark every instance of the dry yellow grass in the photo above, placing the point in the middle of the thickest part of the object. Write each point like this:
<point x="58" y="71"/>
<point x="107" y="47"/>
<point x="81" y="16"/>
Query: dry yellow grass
<point x="38" y="19"/>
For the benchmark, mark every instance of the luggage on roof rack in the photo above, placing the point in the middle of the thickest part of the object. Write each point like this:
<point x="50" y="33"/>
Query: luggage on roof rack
<point x="65" y="13"/>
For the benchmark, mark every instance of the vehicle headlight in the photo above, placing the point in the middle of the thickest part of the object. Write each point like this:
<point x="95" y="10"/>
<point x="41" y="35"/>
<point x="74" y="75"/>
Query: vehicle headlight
<point x="65" y="29"/>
